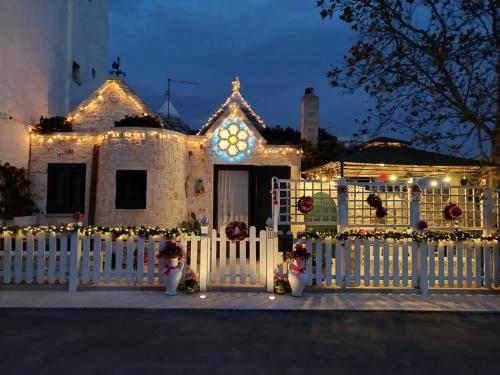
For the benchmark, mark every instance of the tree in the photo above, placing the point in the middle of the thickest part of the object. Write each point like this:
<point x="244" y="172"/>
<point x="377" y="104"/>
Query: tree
<point x="431" y="66"/>
<point x="327" y="149"/>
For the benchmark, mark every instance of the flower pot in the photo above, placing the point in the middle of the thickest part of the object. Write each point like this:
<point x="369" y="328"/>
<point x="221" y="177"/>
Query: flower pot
<point x="300" y="263"/>
<point x="297" y="278"/>
<point x="171" y="273"/>
<point x="190" y="290"/>
<point x="279" y="290"/>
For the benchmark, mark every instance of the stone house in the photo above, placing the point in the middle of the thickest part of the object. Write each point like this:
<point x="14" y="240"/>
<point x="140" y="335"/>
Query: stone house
<point x="122" y="176"/>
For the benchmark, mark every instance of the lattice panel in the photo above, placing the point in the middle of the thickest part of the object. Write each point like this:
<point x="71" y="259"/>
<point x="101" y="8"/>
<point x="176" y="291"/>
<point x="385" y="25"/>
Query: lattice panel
<point x="469" y="199"/>
<point x="394" y="199"/>
<point x="323" y="193"/>
<point x="496" y="208"/>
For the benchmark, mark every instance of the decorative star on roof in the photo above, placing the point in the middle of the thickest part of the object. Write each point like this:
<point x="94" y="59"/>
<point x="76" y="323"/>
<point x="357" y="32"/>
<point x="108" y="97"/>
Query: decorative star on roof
<point x="236" y="84"/>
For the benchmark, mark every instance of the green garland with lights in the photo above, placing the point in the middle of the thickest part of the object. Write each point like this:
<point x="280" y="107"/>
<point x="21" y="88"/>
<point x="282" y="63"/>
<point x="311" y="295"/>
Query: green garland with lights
<point x="102" y="230"/>
<point x="393" y="235"/>
<point x="173" y="233"/>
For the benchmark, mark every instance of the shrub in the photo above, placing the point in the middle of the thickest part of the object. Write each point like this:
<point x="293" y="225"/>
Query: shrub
<point x="15" y="197"/>
<point x="145" y="121"/>
<point x="48" y="125"/>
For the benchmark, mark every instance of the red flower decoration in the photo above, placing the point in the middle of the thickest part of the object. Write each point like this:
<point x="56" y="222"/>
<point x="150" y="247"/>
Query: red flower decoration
<point x="77" y="216"/>
<point x="305" y="204"/>
<point x="421" y="225"/>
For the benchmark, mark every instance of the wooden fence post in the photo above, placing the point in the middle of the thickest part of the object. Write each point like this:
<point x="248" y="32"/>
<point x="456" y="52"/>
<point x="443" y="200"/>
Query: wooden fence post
<point x="204" y="257"/>
<point x="414" y="199"/>
<point x="343" y="205"/>
<point x="270" y="249"/>
<point x="423" y="282"/>
<point x="488" y="220"/>
<point x="74" y="260"/>
<point x="275" y="197"/>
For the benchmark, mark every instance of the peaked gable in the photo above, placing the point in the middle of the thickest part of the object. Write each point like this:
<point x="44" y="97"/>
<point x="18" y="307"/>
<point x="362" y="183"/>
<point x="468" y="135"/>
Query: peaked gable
<point x="112" y="101"/>
<point x="228" y="108"/>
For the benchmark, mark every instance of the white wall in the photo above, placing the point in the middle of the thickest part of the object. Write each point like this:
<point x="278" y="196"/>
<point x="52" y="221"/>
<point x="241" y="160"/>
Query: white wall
<point x="39" y="39"/>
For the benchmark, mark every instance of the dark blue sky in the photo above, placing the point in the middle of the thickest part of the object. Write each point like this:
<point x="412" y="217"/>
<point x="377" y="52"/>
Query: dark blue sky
<point x="276" y="47"/>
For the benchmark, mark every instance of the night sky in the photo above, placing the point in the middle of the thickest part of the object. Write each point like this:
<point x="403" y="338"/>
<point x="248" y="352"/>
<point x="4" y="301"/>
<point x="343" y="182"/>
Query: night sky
<point x="276" y="47"/>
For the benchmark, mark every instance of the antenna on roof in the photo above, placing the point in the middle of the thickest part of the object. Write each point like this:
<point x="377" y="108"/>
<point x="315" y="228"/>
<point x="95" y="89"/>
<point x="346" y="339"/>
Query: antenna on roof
<point x="168" y="92"/>
<point x="115" y="69"/>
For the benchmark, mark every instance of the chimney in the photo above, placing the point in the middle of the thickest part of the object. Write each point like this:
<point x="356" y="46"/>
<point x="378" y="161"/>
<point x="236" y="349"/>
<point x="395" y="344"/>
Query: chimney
<point x="309" y="116"/>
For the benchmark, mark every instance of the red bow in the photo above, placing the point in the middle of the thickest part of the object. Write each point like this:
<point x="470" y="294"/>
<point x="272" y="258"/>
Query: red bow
<point x="297" y="270"/>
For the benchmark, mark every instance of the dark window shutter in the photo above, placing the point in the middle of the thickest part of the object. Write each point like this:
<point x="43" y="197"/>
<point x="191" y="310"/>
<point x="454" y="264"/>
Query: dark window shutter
<point x="131" y="189"/>
<point x="65" y="188"/>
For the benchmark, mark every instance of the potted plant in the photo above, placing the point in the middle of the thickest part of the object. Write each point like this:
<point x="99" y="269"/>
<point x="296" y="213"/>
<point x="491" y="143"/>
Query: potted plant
<point x="16" y="203"/>
<point x="281" y="284"/>
<point x="191" y="284"/>
<point x="48" y="125"/>
<point x="171" y="266"/>
<point x="297" y="276"/>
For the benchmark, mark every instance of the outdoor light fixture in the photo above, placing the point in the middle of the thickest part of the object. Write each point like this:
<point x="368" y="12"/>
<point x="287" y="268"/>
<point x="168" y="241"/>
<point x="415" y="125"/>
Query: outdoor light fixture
<point x="410" y="180"/>
<point x="272" y="298"/>
<point x="434" y="183"/>
<point x="392" y="177"/>
<point x="447" y="179"/>
<point x="203" y="296"/>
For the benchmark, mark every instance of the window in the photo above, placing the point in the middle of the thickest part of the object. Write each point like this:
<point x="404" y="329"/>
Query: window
<point x="65" y="188"/>
<point x="93" y="73"/>
<point x="131" y="189"/>
<point x="75" y="73"/>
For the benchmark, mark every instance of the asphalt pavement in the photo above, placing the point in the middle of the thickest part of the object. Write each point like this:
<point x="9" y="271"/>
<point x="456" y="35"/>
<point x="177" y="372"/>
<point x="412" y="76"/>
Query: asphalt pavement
<point x="82" y="341"/>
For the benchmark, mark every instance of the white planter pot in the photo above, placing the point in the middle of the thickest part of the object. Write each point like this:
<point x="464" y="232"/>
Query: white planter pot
<point x="23" y="221"/>
<point x="297" y="279"/>
<point x="173" y="277"/>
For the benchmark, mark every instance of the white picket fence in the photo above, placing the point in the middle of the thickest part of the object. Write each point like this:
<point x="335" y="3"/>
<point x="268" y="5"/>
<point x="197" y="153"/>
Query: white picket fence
<point x="403" y="263"/>
<point x="97" y="259"/>
<point x="75" y="259"/>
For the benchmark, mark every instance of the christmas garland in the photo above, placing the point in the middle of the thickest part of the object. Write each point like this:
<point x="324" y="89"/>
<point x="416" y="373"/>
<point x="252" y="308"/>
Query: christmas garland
<point x="236" y="231"/>
<point x="116" y="232"/>
<point x="418" y="236"/>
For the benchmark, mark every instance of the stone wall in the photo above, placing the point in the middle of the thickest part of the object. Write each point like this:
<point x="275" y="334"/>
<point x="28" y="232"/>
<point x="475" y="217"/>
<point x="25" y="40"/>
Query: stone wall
<point x="164" y="160"/>
<point x="173" y="162"/>
<point x="202" y="166"/>
<point x="59" y="148"/>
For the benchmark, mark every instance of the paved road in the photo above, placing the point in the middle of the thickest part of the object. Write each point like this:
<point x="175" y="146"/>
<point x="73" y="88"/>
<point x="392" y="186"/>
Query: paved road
<point x="246" y="342"/>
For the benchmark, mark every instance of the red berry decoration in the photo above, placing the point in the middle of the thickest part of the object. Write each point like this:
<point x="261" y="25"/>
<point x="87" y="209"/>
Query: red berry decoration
<point x="305" y="204"/>
<point x="421" y="225"/>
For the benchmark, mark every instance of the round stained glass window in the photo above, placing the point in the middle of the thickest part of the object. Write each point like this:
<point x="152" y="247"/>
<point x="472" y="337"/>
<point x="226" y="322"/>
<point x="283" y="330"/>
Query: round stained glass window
<point x="233" y="140"/>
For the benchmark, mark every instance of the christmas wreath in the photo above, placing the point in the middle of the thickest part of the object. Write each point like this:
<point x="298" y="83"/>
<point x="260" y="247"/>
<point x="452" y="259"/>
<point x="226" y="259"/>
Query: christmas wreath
<point x="452" y="211"/>
<point x="374" y="200"/>
<point x="381" y="212"/>
<point x="305" y="204"/>
<point x="236" y="231"/>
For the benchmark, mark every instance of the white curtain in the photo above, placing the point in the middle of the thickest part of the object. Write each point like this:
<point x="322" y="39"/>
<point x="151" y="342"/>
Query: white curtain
<point x="232" y="197"/>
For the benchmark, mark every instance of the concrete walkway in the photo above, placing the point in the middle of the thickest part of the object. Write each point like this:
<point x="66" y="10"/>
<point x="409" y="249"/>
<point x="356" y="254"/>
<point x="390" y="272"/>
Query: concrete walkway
<point x="249" y="300"/>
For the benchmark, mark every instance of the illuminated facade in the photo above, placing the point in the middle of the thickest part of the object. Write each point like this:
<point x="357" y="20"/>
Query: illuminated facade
<point x="157" y="177"/>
